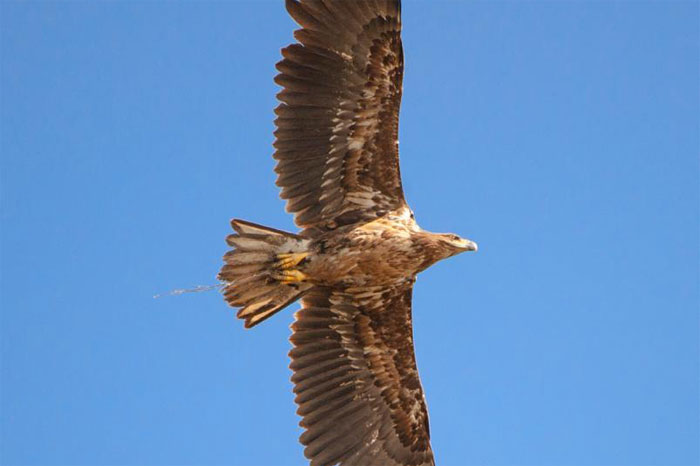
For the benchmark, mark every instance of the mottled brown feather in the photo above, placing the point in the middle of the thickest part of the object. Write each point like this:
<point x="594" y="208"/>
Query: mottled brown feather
<point x="339" y="113"/>
<point x="355" y="377"/>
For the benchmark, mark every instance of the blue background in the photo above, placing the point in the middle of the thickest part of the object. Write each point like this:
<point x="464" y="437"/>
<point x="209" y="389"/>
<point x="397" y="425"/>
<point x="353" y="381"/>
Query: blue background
<point x="561" y="136"/>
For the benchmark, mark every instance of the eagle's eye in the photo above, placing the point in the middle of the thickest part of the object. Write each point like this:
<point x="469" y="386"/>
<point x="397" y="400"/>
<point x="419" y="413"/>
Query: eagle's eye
<point x="454" y="238"/>
<point x="413" y="216"/>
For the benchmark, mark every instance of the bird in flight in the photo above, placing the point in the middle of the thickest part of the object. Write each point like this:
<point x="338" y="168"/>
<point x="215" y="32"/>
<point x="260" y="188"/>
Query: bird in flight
<point x="354" y="262"/>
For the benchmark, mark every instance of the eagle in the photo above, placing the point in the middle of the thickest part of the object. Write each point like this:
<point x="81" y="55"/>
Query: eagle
<point x="355" y="260"/>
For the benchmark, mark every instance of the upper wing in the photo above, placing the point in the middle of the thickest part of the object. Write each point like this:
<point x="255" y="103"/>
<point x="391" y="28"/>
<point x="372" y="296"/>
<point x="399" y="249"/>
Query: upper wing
<point x="356" y="380"/>
<point x="337" y="125"/>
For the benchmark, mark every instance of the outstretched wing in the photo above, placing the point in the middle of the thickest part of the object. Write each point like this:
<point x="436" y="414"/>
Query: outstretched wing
<point x="337" y="125"/>
<point x="356" y="381"/>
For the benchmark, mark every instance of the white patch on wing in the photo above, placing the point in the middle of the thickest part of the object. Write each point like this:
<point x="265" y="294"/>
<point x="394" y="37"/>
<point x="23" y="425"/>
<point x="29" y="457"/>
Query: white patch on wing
<point x="402" y="214"/>
<point x="367" y="194"/>
<point x="355" y="143"/>
<point x="416" y="413"/>
<point x="373" y="438"/>
<point x="367" y="120"/>
<point x="360" y="201"/>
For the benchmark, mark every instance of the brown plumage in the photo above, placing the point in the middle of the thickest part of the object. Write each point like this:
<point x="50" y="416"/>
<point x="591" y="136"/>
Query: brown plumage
<point x="354" y="263"/>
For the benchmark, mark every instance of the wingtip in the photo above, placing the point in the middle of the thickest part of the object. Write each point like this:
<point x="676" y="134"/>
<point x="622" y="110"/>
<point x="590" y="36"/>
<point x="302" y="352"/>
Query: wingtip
<point x="236" y="224"/>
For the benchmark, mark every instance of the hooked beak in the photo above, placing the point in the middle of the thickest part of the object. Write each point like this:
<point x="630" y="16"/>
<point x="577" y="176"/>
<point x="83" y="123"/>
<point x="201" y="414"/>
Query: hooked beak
<point x="469" y="245"/>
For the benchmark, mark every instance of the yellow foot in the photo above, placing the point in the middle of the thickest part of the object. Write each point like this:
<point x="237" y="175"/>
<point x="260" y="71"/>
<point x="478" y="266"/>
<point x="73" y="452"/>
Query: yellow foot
<point x="291" y="276"/>
<point x="286" y="263"/>
<point x="290" y="260"/>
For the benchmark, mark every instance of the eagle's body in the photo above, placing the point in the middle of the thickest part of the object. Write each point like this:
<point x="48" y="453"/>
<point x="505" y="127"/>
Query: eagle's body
<point x="384" y="252"/>
<point x="355" y="261"/>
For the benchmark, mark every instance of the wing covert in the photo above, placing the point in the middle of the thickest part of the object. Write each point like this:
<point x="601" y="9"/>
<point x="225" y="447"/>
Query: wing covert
<point x="337" y="126"/>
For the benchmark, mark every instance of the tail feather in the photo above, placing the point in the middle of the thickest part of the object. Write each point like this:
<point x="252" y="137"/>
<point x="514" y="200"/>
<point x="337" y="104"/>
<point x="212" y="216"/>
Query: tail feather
<point x="249" y="271"/>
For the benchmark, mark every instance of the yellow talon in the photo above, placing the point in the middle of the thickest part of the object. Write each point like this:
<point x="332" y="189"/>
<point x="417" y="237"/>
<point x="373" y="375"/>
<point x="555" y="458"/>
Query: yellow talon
<point x="286" y="263"/>
<point x="291" y="276"/>
<point x="290" y="260"/>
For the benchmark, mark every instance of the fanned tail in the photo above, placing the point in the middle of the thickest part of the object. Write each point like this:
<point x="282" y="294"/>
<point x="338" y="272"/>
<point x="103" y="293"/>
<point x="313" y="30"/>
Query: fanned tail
<point x="259" y="275"/>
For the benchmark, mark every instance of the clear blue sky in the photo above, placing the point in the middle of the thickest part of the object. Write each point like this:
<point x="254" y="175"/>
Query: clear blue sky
<point x="561" y="136"/>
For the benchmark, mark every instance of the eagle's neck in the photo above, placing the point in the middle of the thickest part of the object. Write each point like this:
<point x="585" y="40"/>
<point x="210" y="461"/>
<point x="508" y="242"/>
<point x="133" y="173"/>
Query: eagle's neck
<point x="431" y="248"/>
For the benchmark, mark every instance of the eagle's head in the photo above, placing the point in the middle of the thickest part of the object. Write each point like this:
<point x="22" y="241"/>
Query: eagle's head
<point x="437" y="246"/>
<point x="452" y="244"/>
